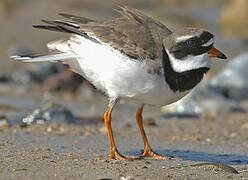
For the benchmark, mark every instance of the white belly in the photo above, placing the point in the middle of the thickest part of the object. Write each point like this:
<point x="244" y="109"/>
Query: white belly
<point x="119" y="76"/>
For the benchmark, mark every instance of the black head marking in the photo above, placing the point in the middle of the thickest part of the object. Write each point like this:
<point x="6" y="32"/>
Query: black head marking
<point x="196" y="45"/>
<point x="181" y="81"/>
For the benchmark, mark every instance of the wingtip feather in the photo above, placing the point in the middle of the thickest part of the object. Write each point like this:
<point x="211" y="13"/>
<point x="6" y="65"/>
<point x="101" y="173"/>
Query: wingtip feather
<point x="20" y="58"/>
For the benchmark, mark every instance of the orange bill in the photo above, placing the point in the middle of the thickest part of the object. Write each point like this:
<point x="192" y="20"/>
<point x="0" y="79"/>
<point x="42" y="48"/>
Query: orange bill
<point x="215" y="53"/>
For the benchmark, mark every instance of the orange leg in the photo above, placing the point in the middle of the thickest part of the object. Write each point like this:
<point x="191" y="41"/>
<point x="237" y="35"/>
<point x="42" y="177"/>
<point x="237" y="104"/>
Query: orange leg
<point x="114" y="154"/>
<point x="147" y="148"/>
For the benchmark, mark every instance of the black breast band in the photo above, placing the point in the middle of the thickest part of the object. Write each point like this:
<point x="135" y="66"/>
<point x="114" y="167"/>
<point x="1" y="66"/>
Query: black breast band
<point x="181" y="81"/>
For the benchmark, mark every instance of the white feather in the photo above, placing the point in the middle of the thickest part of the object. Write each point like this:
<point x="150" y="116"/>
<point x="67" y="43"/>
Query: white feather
<point x="211" y="41"/>
<point x="60" y="45"/>
<point x="20" y="58"/>
<point x="54" y="57"/>
<point x="184" y="38"/>
<point x="118" y="75"/>
<point x="190" y="62"/>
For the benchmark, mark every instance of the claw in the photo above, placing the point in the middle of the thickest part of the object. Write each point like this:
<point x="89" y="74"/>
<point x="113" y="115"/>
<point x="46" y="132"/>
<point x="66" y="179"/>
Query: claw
<point x="149" y="154"/>
<point x="118" y="156"/>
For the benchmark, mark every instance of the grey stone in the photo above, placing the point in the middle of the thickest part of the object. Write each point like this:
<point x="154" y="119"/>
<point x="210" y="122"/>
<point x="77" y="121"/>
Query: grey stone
<point x="232" y="81"/>
<point x="48" y="113"/>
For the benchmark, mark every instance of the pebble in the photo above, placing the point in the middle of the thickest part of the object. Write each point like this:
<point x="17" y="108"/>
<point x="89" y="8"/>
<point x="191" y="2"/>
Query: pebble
<point x="3" y="122"/>
<point x="48" y="113"/>
<point x="128" y="178"/>
<point x="150" y="122"/>
<point x="208" y="140"/>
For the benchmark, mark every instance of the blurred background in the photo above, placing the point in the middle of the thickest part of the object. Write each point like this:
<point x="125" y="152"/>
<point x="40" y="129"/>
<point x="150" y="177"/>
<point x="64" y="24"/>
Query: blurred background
<point x="226" y="18"/>
<point x="22" y="85"/>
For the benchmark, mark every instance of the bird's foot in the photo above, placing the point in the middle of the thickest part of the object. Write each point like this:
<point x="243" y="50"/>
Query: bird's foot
<point x="118" y="156"/>
<point x="149" y="154"/>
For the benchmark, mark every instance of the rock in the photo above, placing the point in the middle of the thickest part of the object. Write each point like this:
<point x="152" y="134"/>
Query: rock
<point x="44" y="70"/>
<point x="231" y="82"/>
<point x="49" y="113"/>
<point x="233" y="18"/>
<point x="200" y="101"/>
<point x="4" y="78"/>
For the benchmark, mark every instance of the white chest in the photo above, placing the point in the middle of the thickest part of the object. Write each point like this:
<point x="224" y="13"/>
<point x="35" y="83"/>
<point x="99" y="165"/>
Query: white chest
<point x="119" y="76"/>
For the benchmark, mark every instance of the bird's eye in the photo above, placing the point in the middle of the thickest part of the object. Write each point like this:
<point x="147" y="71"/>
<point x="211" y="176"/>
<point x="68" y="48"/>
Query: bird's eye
<point x="191" y="42"/>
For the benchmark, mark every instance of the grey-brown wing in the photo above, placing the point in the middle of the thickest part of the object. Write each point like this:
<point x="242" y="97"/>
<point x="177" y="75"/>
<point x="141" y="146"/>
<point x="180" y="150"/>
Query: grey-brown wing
<point x="135" y="34"/>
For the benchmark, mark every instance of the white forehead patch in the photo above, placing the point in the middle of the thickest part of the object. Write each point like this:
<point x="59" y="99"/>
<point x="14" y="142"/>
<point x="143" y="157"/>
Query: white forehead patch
<point x="211" y="41"/>
<point x="184" y="38"/>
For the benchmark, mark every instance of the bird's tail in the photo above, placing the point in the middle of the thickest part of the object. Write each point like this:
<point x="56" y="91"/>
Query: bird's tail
<point x="58" y="56"/>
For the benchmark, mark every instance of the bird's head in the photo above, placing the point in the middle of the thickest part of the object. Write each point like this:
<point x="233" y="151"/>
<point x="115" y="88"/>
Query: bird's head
<point x="190" y="48"/>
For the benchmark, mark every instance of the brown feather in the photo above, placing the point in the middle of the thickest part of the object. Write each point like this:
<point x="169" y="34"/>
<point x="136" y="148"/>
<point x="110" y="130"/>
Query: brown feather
<point x="77" y="19"/>
<point x="135" y="34"/>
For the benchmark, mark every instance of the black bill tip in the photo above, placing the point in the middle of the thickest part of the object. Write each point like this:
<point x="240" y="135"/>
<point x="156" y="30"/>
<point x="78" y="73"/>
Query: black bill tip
<point x="215" y="53"/>
<point x="221" y="55"/>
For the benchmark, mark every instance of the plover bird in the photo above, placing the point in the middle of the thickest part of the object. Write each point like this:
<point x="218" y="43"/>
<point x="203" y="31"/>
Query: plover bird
<point x="132" y="57"/>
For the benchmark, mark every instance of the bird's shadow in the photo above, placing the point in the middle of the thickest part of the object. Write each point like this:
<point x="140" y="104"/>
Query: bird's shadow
<point x="228" y="159"/>
<point x="180" y="116"/>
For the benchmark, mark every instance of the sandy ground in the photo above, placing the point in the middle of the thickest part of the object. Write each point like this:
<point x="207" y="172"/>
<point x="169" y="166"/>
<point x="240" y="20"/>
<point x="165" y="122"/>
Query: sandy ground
<point x="69" y="151"/>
